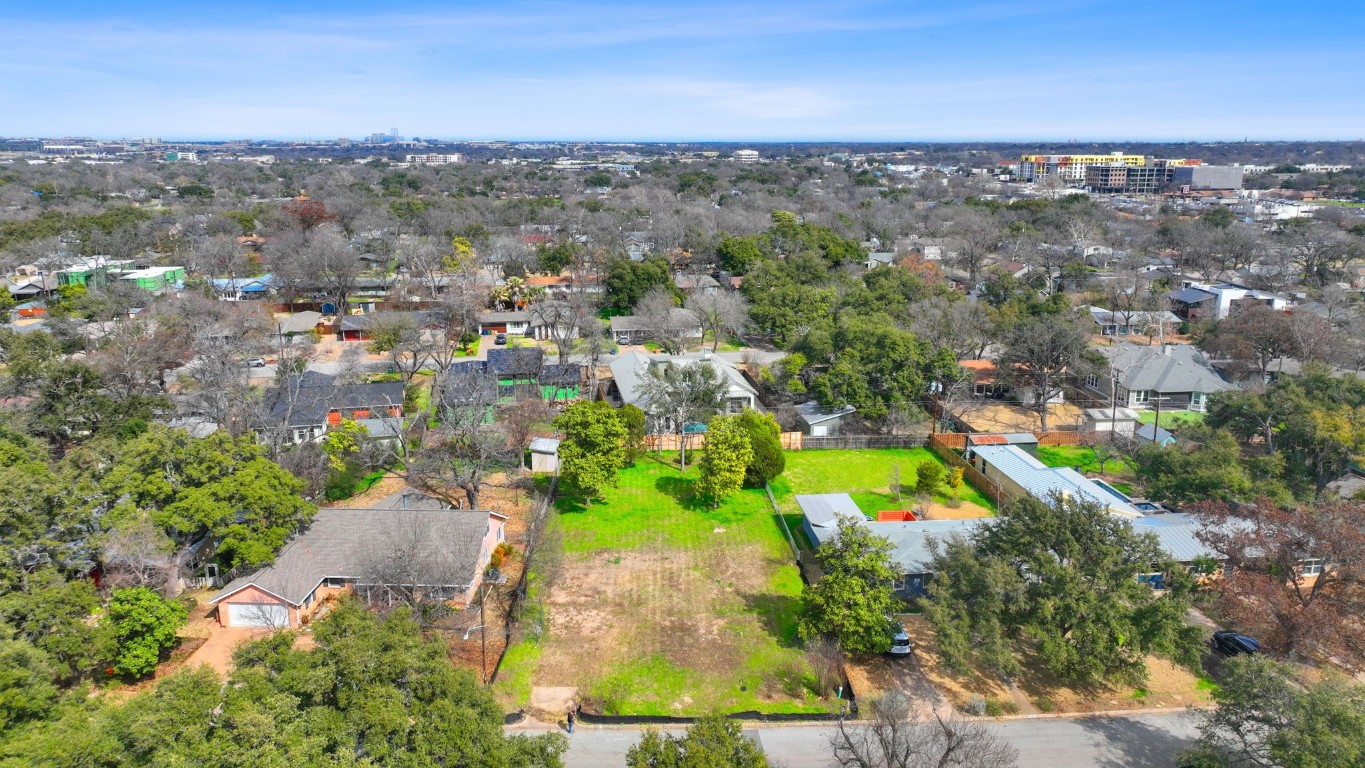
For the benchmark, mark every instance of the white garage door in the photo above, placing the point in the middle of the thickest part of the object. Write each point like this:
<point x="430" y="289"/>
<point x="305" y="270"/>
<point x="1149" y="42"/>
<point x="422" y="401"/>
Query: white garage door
<point x="257" y="615"/>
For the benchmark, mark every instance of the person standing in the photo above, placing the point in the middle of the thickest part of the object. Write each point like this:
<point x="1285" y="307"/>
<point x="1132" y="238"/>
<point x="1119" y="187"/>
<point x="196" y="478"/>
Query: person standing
<point x="571" y="719"/>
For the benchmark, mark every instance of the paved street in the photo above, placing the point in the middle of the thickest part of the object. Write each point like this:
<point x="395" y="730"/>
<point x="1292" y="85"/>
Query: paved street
<point x="1133" y="741"/>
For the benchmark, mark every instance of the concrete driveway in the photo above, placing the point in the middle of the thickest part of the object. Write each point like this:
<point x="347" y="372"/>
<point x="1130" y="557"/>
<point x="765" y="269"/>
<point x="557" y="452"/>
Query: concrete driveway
<point x="217" y="651"/>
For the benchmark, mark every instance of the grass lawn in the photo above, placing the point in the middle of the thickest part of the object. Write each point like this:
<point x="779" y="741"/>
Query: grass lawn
<point x="1171" y="419"/>
<point x="863" y="474"/>
<point x="663" y="607"/>
<point x="1082" y="459"/>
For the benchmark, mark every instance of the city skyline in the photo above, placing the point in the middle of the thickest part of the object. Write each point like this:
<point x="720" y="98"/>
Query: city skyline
<point x="852" y="71"/>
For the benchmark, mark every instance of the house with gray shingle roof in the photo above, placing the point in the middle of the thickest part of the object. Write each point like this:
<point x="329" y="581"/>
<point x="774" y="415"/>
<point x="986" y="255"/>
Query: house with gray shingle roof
<point x="1178" y="374"/>
<point x="406" y="543"/>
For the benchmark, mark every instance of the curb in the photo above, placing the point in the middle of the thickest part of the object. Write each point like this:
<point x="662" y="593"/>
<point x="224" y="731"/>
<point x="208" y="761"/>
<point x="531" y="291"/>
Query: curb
<point x="529" y="724"/>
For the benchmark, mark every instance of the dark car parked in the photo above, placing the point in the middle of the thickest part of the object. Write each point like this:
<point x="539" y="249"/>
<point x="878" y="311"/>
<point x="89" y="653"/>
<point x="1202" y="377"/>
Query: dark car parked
<point x="500" y="339"/>
<point x="1234" y="643"/>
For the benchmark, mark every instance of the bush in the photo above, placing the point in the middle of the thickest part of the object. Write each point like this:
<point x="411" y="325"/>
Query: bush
<point x="144" y="625"/>
<point x="929" y="476"/>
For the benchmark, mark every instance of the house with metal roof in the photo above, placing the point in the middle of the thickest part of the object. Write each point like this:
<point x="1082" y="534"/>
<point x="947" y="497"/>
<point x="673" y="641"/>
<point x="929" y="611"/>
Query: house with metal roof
<point x="1178" y="377"/>
<point x="820" y="513"/>
<point x="407" y="543"/>
<point x="1020" y="474"/>
<point x="241" y="288"/>
<point x="1136" y="323"/>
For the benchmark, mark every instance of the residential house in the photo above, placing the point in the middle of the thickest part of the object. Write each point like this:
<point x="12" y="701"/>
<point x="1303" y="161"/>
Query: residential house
<point x="700" y="283"/>
<point x="879" y="259"/>
<point x="560" y="286"/>
<point x="445" y="553"/>
<point x="816" y="421"/>
<point x="628" y="374"/>
<point x="1194" y="301"/>
<point x="633" y="329"/>
<point x="243" y="288"/>
<point x="913" y="543"/>
<point x="25" y="288"/>
<point x="820" y="514"/>
<point x="156" y="280"/>
<point x="310" y="404"/>
<point x="1019" y="474"/>
<point x="1175" y="377"/>
<point x="298" y="325"/>
<point x="516" y="323"/>
<point x="361" y="327"/>
<point x="1136" y="323"/>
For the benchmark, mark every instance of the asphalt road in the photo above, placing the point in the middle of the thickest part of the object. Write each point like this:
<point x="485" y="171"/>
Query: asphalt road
<point x="1131" y="741"/>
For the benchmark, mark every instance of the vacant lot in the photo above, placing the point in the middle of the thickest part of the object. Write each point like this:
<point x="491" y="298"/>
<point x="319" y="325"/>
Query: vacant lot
<point x="660" y="606"/>
<point x="866" y="476"/>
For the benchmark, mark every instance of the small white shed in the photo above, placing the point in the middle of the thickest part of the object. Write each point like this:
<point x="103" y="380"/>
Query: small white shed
<point x="544" y="454"/>
<point x="1121" y="420"/>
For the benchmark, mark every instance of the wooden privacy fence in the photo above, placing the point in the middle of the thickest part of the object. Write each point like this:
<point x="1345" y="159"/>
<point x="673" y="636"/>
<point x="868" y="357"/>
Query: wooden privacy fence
<point x="939" y="445"/>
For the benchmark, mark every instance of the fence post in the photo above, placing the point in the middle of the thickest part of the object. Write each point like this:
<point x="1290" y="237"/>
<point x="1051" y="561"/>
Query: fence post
<point x="791" y="542"/>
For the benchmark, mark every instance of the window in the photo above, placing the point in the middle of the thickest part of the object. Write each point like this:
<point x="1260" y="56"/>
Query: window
<point x="1310" y="567"/>
<point x="332" y="583"/>
<point x="1140" y="396"/>
<point x="1092" y="381"/>
<point x="898" y="585"/>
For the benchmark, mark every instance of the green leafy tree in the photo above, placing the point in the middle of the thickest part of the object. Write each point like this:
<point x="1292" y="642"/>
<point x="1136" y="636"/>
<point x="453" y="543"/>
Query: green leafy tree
<point x="598" y="179"/>
<point x="343" y="442"/>
<point x="738" y="254"/>
<point x="28" y="680"/>
<point x="54" y="615"/>
<point x="626" y="281"/>
<point x="215" y="485"/>
<point x="929" y="477"/>
<point x="1063" y="576"/>
<point x="765" y="439"/>
<point x="1212" y="472"/>
<point x="593" y="449"/>
<point x="1265" y="716"/>
<point x="724" y="460"/>
<point x="633" y="419"/>
<point x="853" y="597"/>
<point x="144" y="625"/>
<point x="711" y="742"/>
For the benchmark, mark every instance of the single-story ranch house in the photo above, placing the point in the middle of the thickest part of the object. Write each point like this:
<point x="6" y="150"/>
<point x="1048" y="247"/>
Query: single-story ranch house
<point x="444" y="553"/>
<point x="912" y="541"/>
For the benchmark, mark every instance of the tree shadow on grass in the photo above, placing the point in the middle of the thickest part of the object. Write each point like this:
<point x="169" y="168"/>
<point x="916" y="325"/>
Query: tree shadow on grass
<point x="680" y="489"/>
<point x="777" y="614"/>
<point x="573" y="503"/>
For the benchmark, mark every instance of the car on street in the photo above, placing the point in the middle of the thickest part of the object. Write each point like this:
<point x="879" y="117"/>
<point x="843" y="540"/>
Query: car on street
<point x="900" y="641"/>
<point x="501" y="338"/>
<point x="255" y="362"/>
<point x="1235" y="643"/>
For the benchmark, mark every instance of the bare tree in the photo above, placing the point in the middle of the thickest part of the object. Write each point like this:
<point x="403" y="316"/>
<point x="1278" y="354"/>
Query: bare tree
<point x="976" y="234"/>
<point x="962" y="327"/>
<point x="466" y="446"/>
<point x="561" y="320"/>
<point x="137" y="553"/>
<point x="894" y="737"/>
<point x="519" y="418"/>
<point x="1254" y="337"/>
<point x="677" y="395"/>
<point x="396" y="334"/>
<point x="719" y="312"/>
<point x="412" y="564"/>
<point x="332" y="265"/>
<point x="1039" y="355"/>
<point x="667" y="325"/>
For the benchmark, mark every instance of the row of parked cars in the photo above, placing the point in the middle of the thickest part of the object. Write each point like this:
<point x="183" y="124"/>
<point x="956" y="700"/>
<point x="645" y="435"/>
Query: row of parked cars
<point x="1225" y="641"/>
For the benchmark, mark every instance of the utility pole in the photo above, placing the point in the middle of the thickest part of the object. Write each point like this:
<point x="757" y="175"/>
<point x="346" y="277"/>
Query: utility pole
<point x="936" y="388"/>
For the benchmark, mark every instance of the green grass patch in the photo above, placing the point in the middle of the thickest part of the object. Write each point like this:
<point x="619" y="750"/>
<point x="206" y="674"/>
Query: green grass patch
<point x="513" y="686"/>
<point x="1171" y="419"/>
<point x="1207" y="685"/>
<point x="1081" y="458"/>
<point x="742" y="588"/>
<point x="863" y="474"/>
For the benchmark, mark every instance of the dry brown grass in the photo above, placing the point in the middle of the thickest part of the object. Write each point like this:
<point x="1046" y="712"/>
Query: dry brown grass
<point x="1168" y="685"/>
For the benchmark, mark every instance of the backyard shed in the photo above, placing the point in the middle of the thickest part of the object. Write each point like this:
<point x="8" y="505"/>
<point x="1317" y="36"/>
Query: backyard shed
<point x="544" y="454"/>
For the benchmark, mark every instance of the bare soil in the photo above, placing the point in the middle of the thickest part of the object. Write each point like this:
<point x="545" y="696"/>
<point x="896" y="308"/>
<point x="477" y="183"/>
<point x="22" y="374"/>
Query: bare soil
<point x="966" y="509"/>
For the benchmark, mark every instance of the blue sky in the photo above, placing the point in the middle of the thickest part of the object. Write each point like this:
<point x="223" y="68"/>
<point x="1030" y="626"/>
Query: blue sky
<point x="832" y="70"/>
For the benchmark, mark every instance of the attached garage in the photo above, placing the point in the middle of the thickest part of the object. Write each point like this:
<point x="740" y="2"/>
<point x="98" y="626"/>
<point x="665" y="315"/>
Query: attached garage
<point x="257" y="615"/>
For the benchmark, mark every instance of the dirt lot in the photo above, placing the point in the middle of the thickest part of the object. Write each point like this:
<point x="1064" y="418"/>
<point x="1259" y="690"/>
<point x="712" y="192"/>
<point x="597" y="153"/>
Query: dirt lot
<point x="992" y="417"/>
<point x="964" y="510"/>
